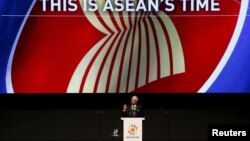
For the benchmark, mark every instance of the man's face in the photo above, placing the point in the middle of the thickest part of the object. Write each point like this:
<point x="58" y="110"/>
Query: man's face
<point x="134" y="100"/>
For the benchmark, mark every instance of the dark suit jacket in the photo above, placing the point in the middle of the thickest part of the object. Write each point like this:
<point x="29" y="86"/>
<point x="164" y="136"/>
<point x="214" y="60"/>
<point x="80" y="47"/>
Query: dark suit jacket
<point x="138" y="112"/>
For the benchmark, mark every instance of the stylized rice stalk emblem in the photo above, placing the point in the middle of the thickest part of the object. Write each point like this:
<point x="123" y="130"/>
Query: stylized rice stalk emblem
<point x="139" y="48"/>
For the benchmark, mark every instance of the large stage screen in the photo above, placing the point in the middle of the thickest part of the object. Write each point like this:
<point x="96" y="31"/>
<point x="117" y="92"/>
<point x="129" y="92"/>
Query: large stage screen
<point x="124" y="46"/>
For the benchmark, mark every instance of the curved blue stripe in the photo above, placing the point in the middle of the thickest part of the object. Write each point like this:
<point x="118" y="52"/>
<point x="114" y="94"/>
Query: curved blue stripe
<point x="235" y="77"/>
<point x="9" y="27"/>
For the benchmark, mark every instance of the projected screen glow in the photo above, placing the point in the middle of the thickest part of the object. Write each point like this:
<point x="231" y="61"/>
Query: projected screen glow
<point x="84" y="46"/>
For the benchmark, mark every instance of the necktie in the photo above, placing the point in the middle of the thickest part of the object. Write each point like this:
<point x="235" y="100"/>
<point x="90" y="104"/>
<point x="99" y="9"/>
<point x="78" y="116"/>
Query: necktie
<point x="133" y="111"/>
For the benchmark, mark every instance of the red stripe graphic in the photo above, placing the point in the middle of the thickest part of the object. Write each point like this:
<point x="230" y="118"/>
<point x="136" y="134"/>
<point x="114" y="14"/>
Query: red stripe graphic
<point x="129" y="52"/>
<point x="113" y="52"/>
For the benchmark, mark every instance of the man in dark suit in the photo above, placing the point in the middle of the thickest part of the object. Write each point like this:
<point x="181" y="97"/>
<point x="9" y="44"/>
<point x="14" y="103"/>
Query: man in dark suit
<point x="133" y="110"/>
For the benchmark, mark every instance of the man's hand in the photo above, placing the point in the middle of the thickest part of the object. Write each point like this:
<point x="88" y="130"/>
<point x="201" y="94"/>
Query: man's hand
<point x="125" y="107"/>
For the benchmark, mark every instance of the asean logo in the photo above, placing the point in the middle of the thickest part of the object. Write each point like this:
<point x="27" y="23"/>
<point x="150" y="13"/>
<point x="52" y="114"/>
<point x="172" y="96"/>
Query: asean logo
<point x="94" y="52"/>
<point x="132" y="129"/>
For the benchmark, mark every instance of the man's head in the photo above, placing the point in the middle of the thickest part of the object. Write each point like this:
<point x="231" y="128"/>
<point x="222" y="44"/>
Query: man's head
<point x="134" y="100"/>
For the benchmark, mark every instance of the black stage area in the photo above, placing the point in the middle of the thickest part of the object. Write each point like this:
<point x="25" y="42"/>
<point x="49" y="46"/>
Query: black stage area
<point x="93" y="118"/>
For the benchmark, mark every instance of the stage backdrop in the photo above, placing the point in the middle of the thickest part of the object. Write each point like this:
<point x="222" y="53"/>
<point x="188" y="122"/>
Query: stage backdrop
<point x="89" y="52"/>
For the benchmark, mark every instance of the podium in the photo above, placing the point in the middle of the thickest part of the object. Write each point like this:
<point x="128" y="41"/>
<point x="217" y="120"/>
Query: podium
<point x="132" y="129"/>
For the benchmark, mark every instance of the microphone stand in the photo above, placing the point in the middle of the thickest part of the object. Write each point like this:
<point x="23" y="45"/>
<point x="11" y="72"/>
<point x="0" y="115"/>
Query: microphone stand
<point x="99" y="112"/>
<point x="167" y="113"/>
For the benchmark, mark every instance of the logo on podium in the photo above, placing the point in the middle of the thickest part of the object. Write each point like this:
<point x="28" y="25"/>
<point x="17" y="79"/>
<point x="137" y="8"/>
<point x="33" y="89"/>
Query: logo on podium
<point x="132" y="129"/>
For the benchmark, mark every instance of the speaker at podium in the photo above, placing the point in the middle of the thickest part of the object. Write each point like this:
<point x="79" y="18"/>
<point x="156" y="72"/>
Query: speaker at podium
<point x="132" y="117"/>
